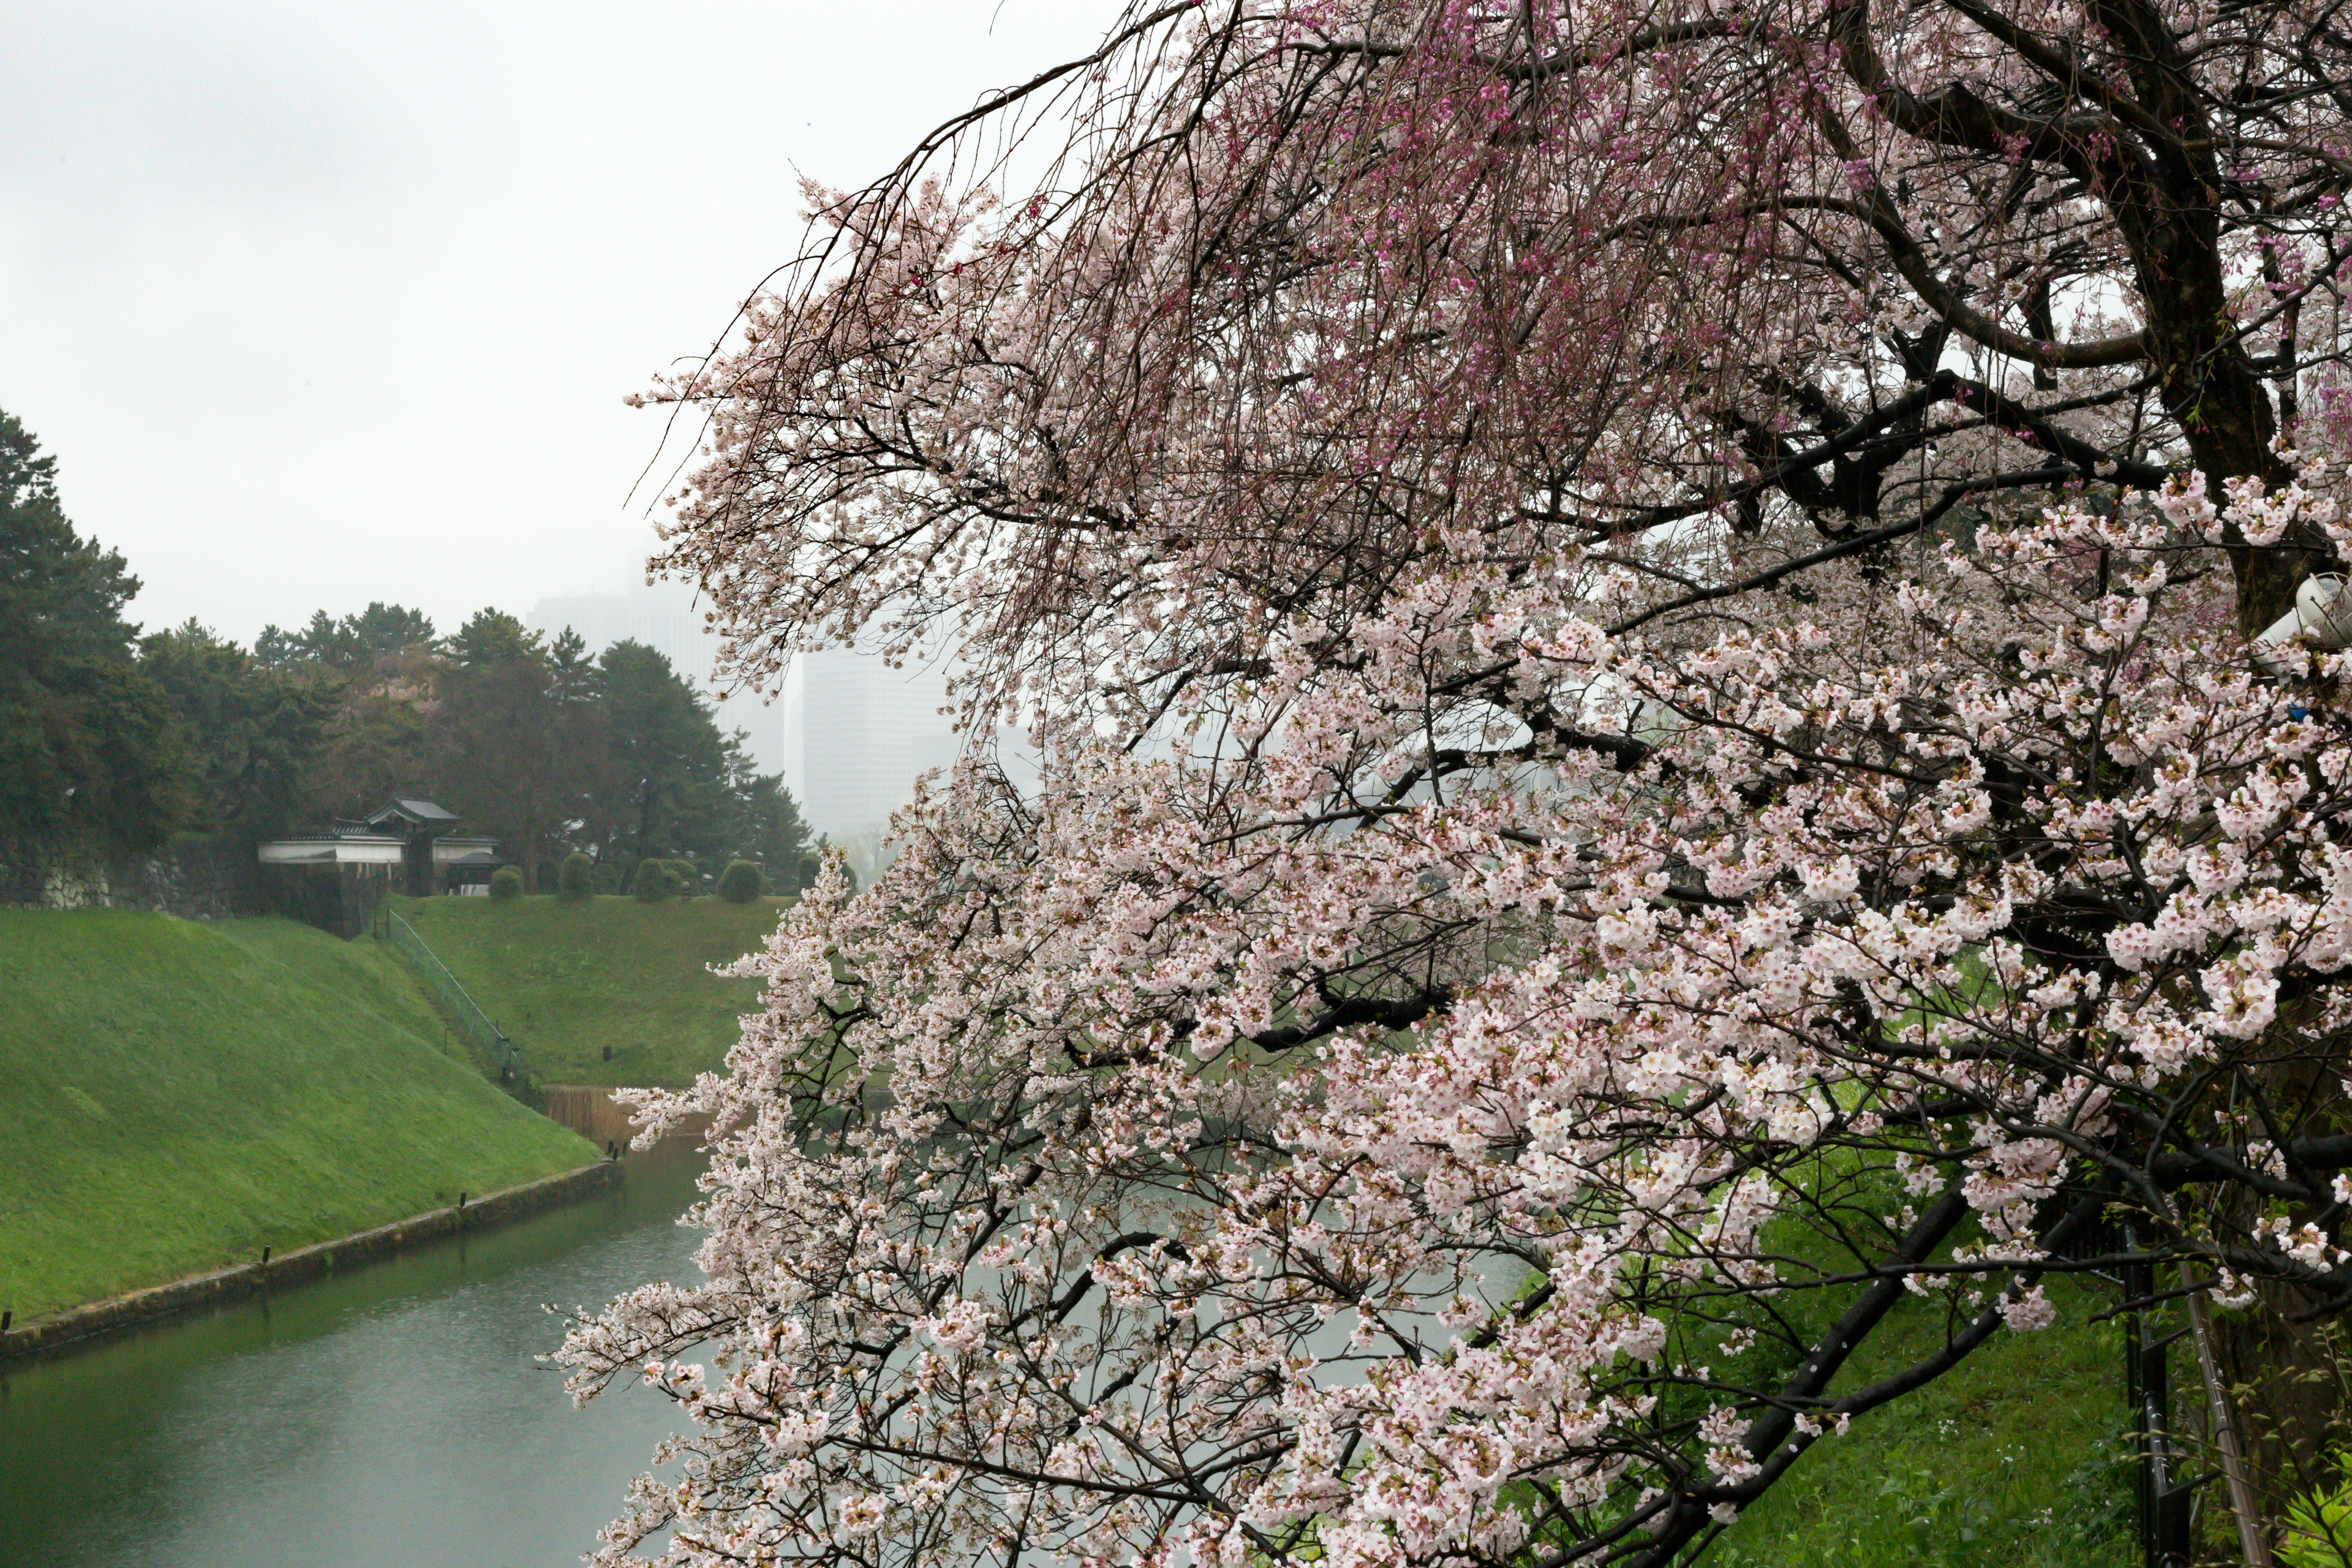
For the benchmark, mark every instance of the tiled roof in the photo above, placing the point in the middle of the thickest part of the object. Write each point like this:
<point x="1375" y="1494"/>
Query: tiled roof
<point x="414" y="808"/>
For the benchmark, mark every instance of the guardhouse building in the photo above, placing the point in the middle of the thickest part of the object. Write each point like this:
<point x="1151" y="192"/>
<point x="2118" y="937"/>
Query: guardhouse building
<point x="407" y="846"/>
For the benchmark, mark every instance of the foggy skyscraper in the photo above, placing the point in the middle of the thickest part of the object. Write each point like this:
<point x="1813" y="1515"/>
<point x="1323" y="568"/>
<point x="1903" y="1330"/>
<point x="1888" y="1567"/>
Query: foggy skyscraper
<point x="856" y="733"/>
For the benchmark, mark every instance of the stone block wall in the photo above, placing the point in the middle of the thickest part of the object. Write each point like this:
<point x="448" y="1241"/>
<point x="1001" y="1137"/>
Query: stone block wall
<point x="199" y="879"/>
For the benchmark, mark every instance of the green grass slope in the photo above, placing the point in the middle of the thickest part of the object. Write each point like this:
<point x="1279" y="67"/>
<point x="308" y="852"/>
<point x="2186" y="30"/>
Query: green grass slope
<point x="2010" y="1460"/>
<point x="566" y="980"/>
<point x="180" y="1095"/>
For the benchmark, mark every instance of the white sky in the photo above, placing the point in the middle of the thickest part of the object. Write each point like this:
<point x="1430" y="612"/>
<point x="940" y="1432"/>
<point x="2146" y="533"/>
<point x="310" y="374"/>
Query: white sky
<point x="319" y="303"/>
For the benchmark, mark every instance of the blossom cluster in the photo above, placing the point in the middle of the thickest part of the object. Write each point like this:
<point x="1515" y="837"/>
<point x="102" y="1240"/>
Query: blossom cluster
<point x="1641" y="754"/>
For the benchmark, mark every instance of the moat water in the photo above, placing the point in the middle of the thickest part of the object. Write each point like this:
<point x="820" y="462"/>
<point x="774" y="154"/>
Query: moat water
<point x="392" y="1417"/>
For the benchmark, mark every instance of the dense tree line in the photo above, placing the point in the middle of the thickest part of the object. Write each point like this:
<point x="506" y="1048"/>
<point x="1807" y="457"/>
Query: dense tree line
<point x="118" y="742"/>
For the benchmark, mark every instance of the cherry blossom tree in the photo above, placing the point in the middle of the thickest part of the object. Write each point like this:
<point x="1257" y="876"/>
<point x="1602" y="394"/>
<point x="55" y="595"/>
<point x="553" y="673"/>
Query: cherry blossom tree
<point x="1636" y="620"/>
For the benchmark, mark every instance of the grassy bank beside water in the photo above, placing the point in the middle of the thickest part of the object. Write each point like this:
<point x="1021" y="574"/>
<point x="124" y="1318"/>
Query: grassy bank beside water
<point x="180" y="1095"/>
<point x="2014" y="1459"/>
<point x="567" y="979"/>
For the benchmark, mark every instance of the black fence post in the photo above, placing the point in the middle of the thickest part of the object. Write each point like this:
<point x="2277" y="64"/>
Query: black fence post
<point x="2163" y="1498"/>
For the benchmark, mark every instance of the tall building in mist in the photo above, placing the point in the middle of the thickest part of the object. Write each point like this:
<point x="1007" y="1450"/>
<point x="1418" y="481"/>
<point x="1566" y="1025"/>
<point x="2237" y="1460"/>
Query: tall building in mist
<point x="666" y="616"/>
<point x="857" y="734"/>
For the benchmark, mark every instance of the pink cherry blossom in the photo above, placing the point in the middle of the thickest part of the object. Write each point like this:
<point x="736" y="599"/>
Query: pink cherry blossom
<point x="1612" y="733"/>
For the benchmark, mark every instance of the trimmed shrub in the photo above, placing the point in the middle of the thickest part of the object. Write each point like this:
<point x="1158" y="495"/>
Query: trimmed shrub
<point x="740" y="882"/>
<point x="812" y="866"/>
<point x="575" y="880"/>
<point x="506" y="883"/>
<point x="654" y="883"/>
<point x="686" y="877"/>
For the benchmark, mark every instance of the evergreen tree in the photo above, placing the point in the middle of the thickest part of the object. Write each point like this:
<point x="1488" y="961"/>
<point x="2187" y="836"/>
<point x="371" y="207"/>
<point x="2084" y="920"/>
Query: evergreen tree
<point x="86" y="748"/>
<point x="766" y="825"/>
<point x="492" y="637"/>
<point x="252" y="732"/>
<point x="669" y="792"/>
<point x="355" y="646"/>
<point x="519" y="736"/>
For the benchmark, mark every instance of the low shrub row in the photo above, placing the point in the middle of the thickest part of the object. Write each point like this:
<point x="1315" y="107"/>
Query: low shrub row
<point x="655" y="881"/>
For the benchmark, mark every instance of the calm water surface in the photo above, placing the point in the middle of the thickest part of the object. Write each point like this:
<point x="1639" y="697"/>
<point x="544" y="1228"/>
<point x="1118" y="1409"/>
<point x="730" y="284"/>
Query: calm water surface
<point x="392" y="1417"/>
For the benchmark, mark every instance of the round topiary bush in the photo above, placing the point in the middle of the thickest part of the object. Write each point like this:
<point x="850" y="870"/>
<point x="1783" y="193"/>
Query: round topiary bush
<point x="575" y="880"/>
<point x="506" y="883"/>
<point x="740" y="883"/>
<point x="811" y="864"/>
<point x="686" y="877"/>
<point x="653" y="884"/>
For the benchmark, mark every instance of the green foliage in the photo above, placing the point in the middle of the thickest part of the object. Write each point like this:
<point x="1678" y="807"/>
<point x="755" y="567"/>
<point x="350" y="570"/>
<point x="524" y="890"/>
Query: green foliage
<point x="669" y="789"/>
<point x="765" y="821"/>
<point x="530" y="738"/>
<point x="2319" y="1525"/>
<point x="575" y="880"/>
<point x="506" y="884"/>
<point x="183" y="1093"/>
<point x="356" y="646"/>
<point x="519" y="736"/>
<point x="379" y="668"/>
<point x="566" y="982"/>
<point x="252" y="732"/>
<point x="376" y="744"/>
<point x="492" y="637"/>
<point x="740" y="882"/>
<point x="654" y="883"/>
<point x="88" y="749"/>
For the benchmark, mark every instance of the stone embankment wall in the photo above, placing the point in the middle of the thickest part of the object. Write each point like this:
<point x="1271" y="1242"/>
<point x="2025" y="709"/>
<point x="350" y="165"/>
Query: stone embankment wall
<point x="198" y="880"/>
<point x="588" y="1110"/>
<point x="120" y="1312"/>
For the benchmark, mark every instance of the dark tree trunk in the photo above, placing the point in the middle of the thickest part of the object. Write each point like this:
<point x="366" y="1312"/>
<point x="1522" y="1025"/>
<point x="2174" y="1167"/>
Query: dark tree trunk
<point x="2166" y="200"/>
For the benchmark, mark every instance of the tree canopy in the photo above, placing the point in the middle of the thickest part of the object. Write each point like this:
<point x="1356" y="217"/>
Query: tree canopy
<point x="252" y="733"/>
<point x="1637" y="622"/>
<point x="350" y="646"/>
<point x="88" y="754"/>
<point x="111" y="743"/>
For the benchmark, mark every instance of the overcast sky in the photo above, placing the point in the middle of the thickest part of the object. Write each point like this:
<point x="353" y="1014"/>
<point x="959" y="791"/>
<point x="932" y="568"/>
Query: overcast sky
<point x="318" y="303"/>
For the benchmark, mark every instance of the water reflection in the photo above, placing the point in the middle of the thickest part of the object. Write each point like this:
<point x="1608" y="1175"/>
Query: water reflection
<point x="393" y="1418"/>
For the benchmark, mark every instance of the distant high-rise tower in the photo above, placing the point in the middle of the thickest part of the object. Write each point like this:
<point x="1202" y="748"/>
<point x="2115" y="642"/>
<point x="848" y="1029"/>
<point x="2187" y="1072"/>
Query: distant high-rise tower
<point x="857" y="734"/>
<point x="665" y="616"/>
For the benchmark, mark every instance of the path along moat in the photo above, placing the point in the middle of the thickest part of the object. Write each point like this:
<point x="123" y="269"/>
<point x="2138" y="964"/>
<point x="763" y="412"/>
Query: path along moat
<point x="392" y="1417"/>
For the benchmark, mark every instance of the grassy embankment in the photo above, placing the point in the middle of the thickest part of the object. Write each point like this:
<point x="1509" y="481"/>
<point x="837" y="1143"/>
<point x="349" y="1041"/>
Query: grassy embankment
<point x="565" y="981"/>
<point x="180" y="1095"/>
<point x="2009" y="1460"/>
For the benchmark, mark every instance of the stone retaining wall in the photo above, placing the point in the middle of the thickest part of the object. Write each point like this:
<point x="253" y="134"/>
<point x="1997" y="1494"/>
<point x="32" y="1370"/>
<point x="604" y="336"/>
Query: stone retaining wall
<point x="588" y="1110"/>
<point x="117" y="1313"/>
<point x="201" y="879"/>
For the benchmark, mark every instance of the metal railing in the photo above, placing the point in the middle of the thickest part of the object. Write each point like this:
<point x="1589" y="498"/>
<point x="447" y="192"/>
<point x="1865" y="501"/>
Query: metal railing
<point x="476" y="1022"/>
